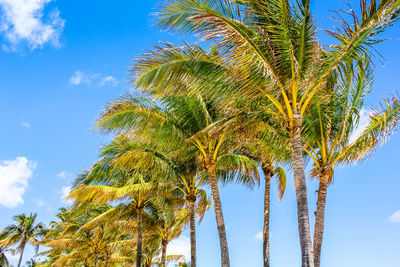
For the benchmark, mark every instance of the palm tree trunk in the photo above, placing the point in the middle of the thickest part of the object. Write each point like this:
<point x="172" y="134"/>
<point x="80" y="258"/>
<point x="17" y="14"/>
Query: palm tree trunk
<point x="218" y="213"/>
<point x="22" y="255"/>
<point x="303" y="219"/>
<point x="193" y="257"/>
<point x="320" y="220"/>
<point x="140" y="238"/>
<point x="267" y="178"/>
<point x="163" y="253"/>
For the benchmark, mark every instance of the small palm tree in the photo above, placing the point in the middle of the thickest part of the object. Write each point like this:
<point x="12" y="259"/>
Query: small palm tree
<point x="24" y="231"/>
<point x="133" y="189"/>
<point x="152" y="251"/>
<point x="168" y="224"/>
<point x="73" y="244"/>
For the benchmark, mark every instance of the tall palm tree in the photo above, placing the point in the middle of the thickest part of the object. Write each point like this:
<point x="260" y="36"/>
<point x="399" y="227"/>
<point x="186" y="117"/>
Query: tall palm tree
<point x="259" y="139"/>
<point x="265" y="49"/>
<point x="330" y="134"/>
<point x="268" y="161"/>
<point x="185" y="119"/>
<point x="24" y="231"/>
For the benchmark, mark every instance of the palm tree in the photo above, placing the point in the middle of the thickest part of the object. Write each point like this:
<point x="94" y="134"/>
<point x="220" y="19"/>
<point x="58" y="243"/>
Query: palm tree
<point x="329" y="135"/>
<point x="185" y="119"/>
<point x="268" y="158"/>
<point x="197" y="204"/>
<point x="169" y="221"/>
<point x="264" y="49"/>
<point x="152" y="252"/>
<point x="140" y="195"/>
<point x="259" y="139"/>
<point x="135" y="190"/>
<point x="24" y="231"/>
<point x="73" y="244"/>
<point x="176" y="167"/>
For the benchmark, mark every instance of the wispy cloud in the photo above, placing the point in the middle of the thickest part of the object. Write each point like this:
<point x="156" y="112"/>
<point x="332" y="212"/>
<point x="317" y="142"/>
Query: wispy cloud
<point x="109" y="80"/>
<point x="258" y="236"/>
<point x="25" y="22"/>
<point x="180" y="246"/>
<point x="79" y="77"/>
<point x="96" y="79"/>
<point x="14" y="176"/>
<point x="395" y="218"/>
<point x="63" y="175"/>
<point x="40" y="203"/>
<point x="26" y="124"/>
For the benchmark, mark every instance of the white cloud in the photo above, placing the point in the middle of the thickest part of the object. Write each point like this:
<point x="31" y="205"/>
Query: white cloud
<point x="258" y="236"/>
<point x="14" y="176"/>
<point x="395" y="218"/>
<point x="25" y="22"/>
<point x="180" y="246"/>
<point x="26" y="125"/>
<point x="364" y="119"/>
<point x="98" y="79"/>
<point x="109" y="80"/>
<point x="65" y="191"/>
<point x="63" y="175"/>
<point x="40" y="203"/>
<point x="79" y="77"/>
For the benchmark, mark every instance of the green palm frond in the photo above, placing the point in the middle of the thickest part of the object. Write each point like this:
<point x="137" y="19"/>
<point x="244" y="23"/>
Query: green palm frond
<point x="280" y="175"/>
<point x="382" y="123"/>
<point x="237" y="167"/>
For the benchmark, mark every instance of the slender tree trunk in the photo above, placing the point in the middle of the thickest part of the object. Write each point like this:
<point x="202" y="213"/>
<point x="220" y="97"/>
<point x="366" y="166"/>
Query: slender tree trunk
<point x="163" y="253"/>
<point x="320" y="220"/>
<point x="267" y="177"/>
<point x="140" y="238"/>
<point x="193" y="257"/>
<point x="22" y="255"/>
<point x="218" y="213"/>
<point x="301" y="194"/>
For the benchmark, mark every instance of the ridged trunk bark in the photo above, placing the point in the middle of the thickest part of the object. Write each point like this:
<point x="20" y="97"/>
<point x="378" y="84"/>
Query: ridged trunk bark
<point x="320" y="220"/>
<point x="164" y="244"/>
<point x="218" y="214"/>
<point x="193" y="256"/>
<point x="140" y="238"/>
<point x="303" y="219"/>
<point x="267" y="208"/>
<point x="22" y="255"/>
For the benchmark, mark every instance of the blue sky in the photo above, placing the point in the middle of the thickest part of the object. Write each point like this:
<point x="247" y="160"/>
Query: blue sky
<point x="62" y="61"/>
